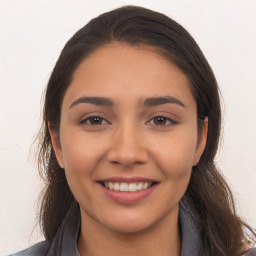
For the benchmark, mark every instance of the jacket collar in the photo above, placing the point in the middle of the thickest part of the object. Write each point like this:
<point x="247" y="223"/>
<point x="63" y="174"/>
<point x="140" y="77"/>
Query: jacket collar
<point x="65" y="241"/>
<point x="191" y="243"/>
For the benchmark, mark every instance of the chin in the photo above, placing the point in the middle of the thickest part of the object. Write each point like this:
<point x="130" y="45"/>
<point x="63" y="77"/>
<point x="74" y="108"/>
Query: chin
<point x="129" y="227"/>
<point x="129" y="223"/>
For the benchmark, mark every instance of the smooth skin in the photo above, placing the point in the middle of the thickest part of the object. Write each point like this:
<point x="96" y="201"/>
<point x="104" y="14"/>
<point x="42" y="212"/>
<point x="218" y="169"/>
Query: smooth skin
<point x="128" y="138"/>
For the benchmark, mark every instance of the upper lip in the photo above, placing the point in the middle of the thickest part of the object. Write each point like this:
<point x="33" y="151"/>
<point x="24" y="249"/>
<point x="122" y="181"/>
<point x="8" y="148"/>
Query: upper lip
<point x="127" y="179"/>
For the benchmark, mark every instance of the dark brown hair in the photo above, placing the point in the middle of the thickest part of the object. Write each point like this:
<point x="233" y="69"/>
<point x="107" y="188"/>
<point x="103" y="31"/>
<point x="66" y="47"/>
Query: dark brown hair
<point x="208" y="193"/>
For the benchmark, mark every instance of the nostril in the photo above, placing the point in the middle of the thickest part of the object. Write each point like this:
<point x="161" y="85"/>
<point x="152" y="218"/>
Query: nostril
<point x="115" y="162"/>
<point x="127" y="155"/>
<point x="127" y="160"/>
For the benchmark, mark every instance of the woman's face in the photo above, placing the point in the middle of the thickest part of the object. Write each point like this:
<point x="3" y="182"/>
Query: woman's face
<point x="128" y="122"/>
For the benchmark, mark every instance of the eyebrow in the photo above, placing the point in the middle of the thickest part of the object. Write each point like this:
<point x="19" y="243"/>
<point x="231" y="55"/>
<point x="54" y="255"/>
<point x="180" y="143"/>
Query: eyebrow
<point x="99" y="101"/>
<point x="149" y="102"/>
<point x="155" y="101"/>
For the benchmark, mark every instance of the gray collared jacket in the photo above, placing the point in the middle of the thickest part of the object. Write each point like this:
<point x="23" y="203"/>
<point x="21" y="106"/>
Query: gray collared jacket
<point x="65" y="241"/>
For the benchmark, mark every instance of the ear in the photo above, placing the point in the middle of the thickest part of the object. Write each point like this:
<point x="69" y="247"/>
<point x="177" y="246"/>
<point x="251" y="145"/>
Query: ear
<point x="201" y="142"/>
<point x="56" y="144"/>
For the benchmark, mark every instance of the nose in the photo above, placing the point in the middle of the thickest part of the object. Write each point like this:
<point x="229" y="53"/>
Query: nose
<point x="127" y="147"/>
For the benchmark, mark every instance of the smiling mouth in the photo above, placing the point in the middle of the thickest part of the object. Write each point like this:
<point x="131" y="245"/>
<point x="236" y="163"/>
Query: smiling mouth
<point x="127" y="187"/>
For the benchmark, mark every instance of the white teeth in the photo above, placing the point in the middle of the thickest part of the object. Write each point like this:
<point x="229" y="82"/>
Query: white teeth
<point x="132" y="187"/>
<point x="110" y="185"/>
<point x="124" y="187"/>
<point x="140" y="186"/>
<point x="145" y="185"/>
<point x="116" y="186"/>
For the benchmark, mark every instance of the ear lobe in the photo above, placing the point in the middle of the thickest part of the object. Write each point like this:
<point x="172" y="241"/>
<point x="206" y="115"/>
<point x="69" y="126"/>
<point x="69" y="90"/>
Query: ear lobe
<point x="56" y="144"/>
<point x="201" y="142"/>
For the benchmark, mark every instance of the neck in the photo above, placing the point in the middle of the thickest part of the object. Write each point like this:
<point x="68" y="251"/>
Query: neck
<point x="162" y="238"/>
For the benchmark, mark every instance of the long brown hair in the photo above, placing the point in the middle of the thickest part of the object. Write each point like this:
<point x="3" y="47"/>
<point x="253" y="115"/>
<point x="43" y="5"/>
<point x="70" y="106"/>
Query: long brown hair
<point x="207" y="193"/>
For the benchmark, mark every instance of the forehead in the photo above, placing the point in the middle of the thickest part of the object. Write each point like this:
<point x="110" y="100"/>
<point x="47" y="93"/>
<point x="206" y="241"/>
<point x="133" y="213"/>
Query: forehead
<point x="124" y="72"/>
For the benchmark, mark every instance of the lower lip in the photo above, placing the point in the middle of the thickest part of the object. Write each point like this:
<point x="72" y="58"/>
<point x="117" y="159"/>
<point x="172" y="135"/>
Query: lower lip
<point x="128" y="197"/>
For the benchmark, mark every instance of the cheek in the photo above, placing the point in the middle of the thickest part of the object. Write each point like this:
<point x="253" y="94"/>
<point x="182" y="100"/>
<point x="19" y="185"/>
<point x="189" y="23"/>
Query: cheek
<point x="80" y="152"/>
<point x="81" y="155"/>
<point x="175" y="156"/>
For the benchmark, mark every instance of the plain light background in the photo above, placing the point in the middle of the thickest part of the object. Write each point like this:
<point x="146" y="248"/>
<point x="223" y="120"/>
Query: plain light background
<point x="32" y="35"/>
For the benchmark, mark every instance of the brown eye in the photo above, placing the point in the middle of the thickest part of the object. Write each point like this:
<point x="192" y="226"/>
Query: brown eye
<point x="160" y="120"/>
<point x="93" y="120"/>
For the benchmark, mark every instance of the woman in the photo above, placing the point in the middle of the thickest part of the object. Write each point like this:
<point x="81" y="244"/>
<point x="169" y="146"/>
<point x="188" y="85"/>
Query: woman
<point x="131" y="127"/>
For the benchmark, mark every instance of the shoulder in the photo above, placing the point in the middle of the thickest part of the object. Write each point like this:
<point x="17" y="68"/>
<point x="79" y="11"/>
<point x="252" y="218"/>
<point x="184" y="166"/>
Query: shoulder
<point x="250" y="252"/>
<point x="39" y="249"/>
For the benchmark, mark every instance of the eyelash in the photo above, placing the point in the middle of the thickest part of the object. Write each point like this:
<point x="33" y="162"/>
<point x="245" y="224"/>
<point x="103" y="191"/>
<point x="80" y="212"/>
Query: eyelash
<point x="84" y="121"/>
<point x="166" y="119"/>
